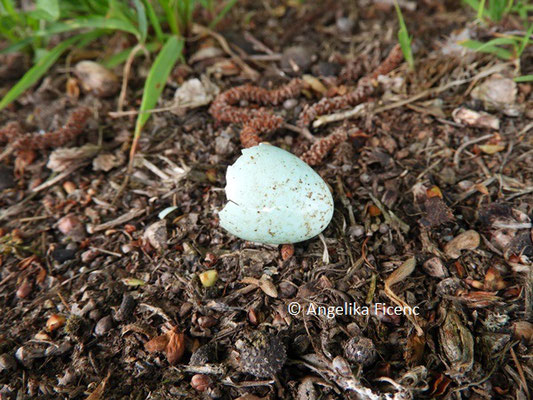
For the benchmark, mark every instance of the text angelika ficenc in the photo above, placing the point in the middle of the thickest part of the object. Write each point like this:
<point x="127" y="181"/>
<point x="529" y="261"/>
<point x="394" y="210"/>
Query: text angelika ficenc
<point x="351" y="309"/>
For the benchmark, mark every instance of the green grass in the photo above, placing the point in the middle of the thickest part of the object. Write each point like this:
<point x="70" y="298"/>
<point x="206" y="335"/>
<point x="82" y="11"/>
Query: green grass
<point x="504" y="46"/>
<point x="404" y="39"/>
<point x="159" y="25"/>
<point x="495" y="10"/>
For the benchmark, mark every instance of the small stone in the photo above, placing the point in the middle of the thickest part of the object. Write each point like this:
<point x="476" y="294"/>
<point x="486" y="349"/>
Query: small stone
<point x="324" y="68"/>
<point x="105" y="324"/>
<point x="356" y="231"/>
<point x="6" y="178"/>
<point x="435" y="267"/>
<point x="296" y="60"/>
<point x="201" y="382"/>
<point x="205" y="354"/>
<point x="68" y="377"/>
<point x="223" y="144"/>
<point x="345" y="25"/>
<point x="126" y="308"/>
<point x="261" y="354"/>
<point x="88" y="255"/>
<point x="61" y="255"/>
<point x="96" y="78"/>
<point x="157" y="235"/>
<point x="289" y="104"/>
<point x="360" y="350"/>
<point x="7" y="362"/>
<point x="71" y="226"/>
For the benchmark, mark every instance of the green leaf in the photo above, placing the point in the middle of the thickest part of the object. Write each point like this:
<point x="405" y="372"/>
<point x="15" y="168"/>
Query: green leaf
<point x="37" y="71"/>
<point x="92" y="23"/>
<point x="524" y="78"/>
<point x="141" y="20"/>
<point x="47" y="9"/>
<point x="525" y="41"/>
<point x="16" y="46"/>
<point x="403" y="38"/>
<point x="157" y="77"/>
<point x="488" y="48"/>
<point x="152" y="16"/>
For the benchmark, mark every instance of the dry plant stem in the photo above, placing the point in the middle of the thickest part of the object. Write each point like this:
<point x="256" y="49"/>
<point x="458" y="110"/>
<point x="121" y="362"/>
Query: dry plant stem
<point x="254" y="121"/>
<point x="126" y="73"/>
<point x="365" y="87"/>
<point x="202" y="30"/>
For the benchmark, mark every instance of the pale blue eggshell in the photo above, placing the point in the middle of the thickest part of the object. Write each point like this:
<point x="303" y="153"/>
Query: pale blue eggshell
<point x="274" y="197"/>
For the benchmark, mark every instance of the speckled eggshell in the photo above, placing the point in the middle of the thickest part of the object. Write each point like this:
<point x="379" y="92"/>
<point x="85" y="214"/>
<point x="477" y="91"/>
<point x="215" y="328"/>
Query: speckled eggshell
<point x="274" y="197"/>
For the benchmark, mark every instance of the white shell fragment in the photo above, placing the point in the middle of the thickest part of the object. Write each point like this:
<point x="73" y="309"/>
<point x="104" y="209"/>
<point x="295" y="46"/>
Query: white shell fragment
<point x="274" y="197"/>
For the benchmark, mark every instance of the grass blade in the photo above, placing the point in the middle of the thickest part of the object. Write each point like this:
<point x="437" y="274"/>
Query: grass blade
<point x="157" y="77"/>
<point x="489" y="47"/>
<point x="92" y="23"/>
<point x="524" y="78"/>
<point x="152" y="16"/>
<point x="37" y="71"/>
<point x="141" y="20"/>
<point x="222" y="13"/>
<point x="403" y="38"/>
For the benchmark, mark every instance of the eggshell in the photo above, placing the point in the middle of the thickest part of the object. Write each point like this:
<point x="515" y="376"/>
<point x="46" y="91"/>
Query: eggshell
<point x="274" y="197"/>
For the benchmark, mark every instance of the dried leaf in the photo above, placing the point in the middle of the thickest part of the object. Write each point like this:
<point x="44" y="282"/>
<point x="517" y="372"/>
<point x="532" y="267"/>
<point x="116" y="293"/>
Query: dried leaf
<point x="62" y="158"/>
<point x="133" y="282"/>
<point x="158" y="343"/>
<point x="491" y="148"/>
<point x="457" y="344"/>
<point x="399" y="275"/>
<point x="175" y="347"/>
<point x="468" y="240"/>
<point x="268" y="287"/>
<point x="107" y="161"/>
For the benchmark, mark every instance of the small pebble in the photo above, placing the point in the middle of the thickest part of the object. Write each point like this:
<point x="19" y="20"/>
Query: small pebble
<point x="289" y="104"/>
<point x="383" y="228"/>
<point x="6" y="178"/>
<point x="356" y="231"/>
<point x="62" y="255"/>
<point x="345" y="25"/>
<point x="104" y="325"/>
<point x="126" y="308"/>
<point x="296" y="60"/>
<point x="7" y="362"/>
<point x="324" y="68"/>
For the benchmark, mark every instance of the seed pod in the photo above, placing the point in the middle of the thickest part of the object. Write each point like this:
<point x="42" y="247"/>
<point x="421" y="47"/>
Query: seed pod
<point x="54" y="322"/>
<point x="201" y="382"/>
<point x="468" y="240"/>
<point x="261" y="353"/>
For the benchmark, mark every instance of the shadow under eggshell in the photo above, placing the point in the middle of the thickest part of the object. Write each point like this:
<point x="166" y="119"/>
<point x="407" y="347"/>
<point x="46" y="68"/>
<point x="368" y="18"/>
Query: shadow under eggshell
<point x="274" y="197"/>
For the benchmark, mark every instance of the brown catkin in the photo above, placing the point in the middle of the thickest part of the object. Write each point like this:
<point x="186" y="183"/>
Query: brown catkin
<point x="362" y="91"/>
<point x="254" y="121"/>
<point x="72" y="128"/>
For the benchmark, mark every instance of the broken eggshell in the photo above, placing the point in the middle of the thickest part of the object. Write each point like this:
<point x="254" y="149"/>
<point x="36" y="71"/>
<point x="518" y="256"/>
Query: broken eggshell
<point x="274" y="197"/>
